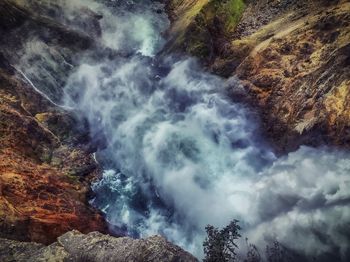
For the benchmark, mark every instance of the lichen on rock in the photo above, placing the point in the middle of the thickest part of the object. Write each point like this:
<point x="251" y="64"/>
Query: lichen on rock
<point x="199" y="27"/>
<point x="74" y="246"/>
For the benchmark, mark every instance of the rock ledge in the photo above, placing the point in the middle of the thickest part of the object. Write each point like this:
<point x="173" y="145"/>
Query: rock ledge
<point x="74" y="246"/>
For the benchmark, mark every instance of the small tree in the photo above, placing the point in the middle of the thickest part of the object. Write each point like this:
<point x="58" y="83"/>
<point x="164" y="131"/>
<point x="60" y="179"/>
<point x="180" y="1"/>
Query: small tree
<point x="220" y="246"/>
<point x="278" y="253"/>
<point x="253" y="254"/>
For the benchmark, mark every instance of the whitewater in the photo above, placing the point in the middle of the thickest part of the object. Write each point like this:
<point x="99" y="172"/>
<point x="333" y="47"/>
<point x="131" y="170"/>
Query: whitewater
<point x="179" y="154"/>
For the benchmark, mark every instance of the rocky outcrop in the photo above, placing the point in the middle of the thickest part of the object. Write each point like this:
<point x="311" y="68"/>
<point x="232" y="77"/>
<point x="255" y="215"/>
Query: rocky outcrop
<point x="74" y="246"/>
<point x="200" y="27"/>
<point x="292" y="58"/>
<point x="45" y="158"/>
<point x="39" y="41"/>
<point x="45" y="168"/>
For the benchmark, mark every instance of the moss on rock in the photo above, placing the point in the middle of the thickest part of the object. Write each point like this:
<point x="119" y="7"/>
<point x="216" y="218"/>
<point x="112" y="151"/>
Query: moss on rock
<point x="201" y="26"/>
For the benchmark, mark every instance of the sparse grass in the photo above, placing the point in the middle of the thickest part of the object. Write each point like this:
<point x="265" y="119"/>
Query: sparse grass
<point x="198" y="39"/>
<point x="72" y="178"/>
<point x="229" y="11"/>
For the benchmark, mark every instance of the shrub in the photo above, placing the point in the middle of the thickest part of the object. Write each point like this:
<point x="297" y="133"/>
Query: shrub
<point x="220" y="245"/>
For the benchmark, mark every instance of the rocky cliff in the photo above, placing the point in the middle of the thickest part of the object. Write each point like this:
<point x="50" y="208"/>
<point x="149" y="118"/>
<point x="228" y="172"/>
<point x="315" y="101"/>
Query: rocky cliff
<point x="46" y="161"/>
<point x="292" y="59"/>
<point x="45" y="158"/>
<point x="74" y="246"/>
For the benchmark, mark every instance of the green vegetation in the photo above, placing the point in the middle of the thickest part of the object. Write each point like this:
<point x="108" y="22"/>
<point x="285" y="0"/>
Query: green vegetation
<point x="72" y="176"/>
<point x="220" y="244"/>
<point x="236" y="8"/>
<point x="217" y="19"/>
<point x="229" y="12"/>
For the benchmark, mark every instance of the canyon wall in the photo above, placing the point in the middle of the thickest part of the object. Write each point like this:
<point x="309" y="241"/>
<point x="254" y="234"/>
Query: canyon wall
<point x="46" y="152"/>
<point x="46" y="165"/>
<point x="292" y="59"/>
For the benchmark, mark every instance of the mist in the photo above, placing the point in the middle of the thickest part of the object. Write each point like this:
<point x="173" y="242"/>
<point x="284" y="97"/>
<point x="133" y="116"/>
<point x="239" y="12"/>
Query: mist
<point x="178" y="154"/>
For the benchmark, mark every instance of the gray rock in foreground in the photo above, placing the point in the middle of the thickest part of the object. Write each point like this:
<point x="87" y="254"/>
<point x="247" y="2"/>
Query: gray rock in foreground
<point x="77" y="247"/>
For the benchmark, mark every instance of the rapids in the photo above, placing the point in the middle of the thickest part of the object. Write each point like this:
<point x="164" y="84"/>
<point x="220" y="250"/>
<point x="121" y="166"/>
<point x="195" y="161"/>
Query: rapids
<point x="178" y="154"/>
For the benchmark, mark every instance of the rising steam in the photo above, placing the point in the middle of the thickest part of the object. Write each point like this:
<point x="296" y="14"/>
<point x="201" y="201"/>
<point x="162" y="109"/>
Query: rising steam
<point x="180" y="155"/>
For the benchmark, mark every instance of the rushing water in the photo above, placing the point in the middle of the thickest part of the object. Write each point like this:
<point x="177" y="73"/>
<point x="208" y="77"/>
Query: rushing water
<point x="179" y="154"/>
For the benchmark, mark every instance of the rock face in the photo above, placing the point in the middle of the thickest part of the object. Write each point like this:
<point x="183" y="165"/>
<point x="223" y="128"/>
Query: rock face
<point x="44" y="169"/>
<point x="200" y="27"/>
<point x="45" y="158"/>
<point x="74" y="246"/>
<point x="292" y="58"/>
<point x="39" y="41"/>
<point x="46" y="163"/>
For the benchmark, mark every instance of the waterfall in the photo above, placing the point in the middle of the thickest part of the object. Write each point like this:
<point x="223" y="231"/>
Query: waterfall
<point x="180" y="154"/>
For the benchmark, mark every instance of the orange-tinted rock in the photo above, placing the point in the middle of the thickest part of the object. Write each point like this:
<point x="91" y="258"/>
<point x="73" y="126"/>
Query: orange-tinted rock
<point x="41" y="195"/>
<point x="46" y="165"/>
<point x="300" y="77"/>
<point x="292" y="57"/>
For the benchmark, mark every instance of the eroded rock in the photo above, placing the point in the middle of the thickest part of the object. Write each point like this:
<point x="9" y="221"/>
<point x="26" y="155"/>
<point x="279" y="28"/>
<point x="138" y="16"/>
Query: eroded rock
<point x="46" y="165"/>
<point x="39" y="198"/>
<point x="292" y="57"/>
<point x="74" y="246"/>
